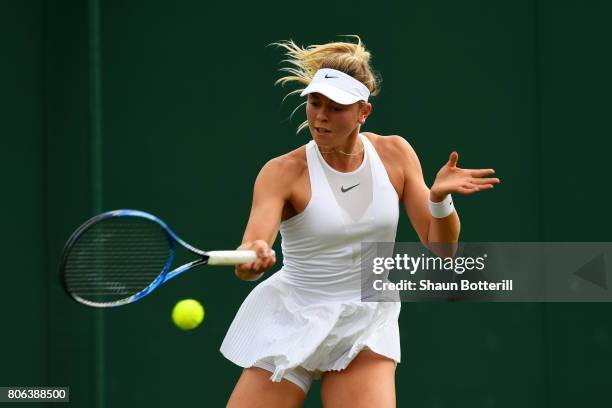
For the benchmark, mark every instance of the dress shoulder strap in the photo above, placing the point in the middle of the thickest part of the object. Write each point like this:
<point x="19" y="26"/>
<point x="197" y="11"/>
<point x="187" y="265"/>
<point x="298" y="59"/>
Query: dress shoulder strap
<point x="378" y="168"/>
<point x="315" y="170"/>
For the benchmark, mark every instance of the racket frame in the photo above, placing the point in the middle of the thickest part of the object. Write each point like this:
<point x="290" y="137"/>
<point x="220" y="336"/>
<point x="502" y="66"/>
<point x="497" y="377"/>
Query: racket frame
<point x="165" y="274"/>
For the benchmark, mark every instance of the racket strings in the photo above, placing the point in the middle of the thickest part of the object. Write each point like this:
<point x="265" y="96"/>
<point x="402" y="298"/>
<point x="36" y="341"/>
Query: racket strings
<point x="116" y="258"/>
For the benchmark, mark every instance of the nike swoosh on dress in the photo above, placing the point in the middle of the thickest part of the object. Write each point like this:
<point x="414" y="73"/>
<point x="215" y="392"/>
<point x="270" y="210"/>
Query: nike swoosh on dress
<point x="344" y="190"/>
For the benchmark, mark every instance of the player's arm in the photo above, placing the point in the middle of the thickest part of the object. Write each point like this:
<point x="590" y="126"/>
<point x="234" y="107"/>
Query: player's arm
<point x="270" y="193"/>
<point x="416" y="196"/>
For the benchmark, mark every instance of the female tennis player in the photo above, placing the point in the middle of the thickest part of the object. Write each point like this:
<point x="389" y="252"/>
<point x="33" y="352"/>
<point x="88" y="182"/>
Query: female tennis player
<point x="307" y="320"/>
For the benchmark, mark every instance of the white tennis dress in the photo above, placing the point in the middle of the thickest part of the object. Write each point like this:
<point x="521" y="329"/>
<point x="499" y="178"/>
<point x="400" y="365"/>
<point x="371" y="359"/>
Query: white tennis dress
<point x="309" y="314"/>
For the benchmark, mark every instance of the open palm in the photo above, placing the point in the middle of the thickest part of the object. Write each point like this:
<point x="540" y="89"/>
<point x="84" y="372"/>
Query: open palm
<point x="453" y="179"/>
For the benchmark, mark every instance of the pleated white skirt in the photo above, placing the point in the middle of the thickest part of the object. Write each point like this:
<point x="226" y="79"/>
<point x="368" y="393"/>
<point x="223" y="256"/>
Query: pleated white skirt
<point x="284" y="324"/>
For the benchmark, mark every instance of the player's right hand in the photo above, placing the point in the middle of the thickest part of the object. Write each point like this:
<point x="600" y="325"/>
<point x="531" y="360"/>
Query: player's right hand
<point x="266" y="258"/>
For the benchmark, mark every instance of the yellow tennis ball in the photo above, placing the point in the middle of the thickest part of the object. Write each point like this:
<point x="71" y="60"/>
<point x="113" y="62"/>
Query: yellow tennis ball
<point x="188" y="314"/>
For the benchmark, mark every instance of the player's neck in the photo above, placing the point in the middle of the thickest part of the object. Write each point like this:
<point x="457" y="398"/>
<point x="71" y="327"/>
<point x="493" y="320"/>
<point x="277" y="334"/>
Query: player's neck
<point x="345" y="156"/>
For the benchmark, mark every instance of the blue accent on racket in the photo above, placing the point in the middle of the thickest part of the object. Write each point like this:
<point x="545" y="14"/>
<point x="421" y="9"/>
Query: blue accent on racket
<point x="120" y="256"/>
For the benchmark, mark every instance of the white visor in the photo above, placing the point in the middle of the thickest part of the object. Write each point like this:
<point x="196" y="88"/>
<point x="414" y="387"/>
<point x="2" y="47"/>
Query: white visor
<point x="337" y="86"/>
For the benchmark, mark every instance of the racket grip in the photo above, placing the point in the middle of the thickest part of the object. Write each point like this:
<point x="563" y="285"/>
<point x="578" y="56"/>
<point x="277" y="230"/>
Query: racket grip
<point x="231" y="257"/>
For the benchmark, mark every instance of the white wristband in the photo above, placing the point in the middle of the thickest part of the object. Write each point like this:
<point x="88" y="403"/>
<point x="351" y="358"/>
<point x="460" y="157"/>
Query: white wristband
<point x="442" y="209"/>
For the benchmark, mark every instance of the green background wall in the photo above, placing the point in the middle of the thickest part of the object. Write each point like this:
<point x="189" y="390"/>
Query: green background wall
<point x="176" y="100"/>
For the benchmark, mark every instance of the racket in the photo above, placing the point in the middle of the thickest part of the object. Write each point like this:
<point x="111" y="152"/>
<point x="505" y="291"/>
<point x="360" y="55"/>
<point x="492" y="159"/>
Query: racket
<point x="121" y="256"/>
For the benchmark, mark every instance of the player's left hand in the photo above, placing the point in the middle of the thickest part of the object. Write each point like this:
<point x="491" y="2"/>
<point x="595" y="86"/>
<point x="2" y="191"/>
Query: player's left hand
<point x="453" y="179"/>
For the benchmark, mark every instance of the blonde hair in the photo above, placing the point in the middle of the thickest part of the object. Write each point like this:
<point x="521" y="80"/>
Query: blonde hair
<point x="351" y="58"/>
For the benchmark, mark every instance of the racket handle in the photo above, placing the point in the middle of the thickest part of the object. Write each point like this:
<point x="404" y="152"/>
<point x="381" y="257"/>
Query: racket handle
<point x="231" y="257"/>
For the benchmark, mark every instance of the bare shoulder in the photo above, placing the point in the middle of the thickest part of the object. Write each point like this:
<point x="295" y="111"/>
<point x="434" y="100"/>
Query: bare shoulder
<point x="393" y="148"/>
<point x="398" y="157"/>
<point x="289" y="164"/>
<point x="283" y="169"/>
